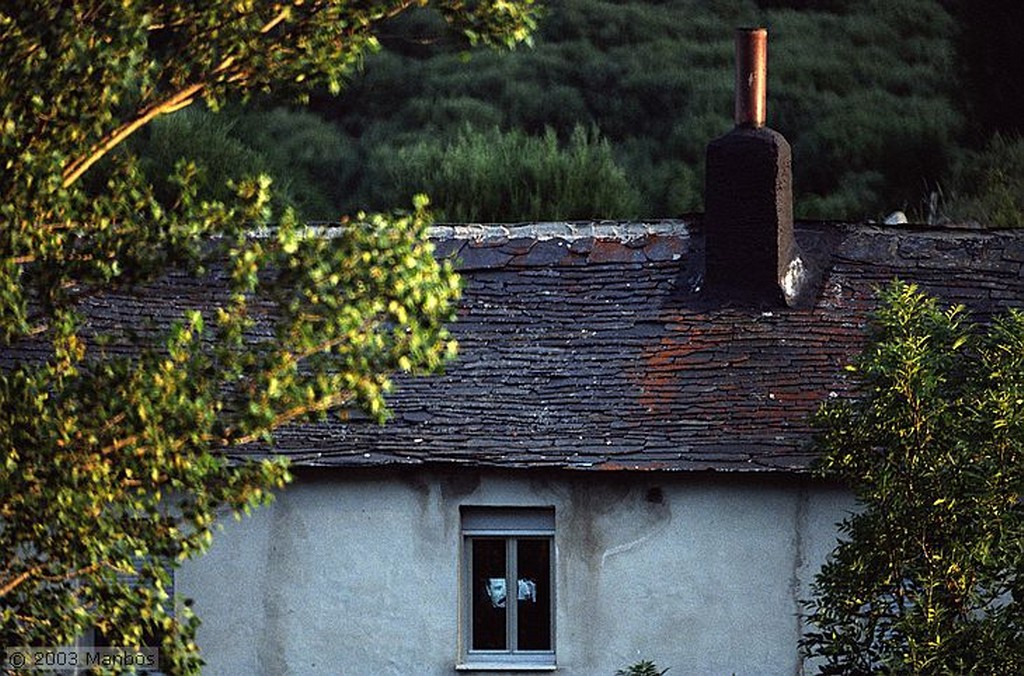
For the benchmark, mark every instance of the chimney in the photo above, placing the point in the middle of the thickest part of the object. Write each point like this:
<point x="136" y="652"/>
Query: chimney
<point x="751" y="255"/>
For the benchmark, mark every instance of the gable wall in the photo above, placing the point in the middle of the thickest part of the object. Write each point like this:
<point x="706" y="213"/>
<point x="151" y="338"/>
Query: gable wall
<point x="357" y="572"/>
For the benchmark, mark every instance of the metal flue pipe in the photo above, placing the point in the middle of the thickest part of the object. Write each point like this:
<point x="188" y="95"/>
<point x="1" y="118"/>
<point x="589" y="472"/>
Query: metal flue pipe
<point x="751" y="77"/>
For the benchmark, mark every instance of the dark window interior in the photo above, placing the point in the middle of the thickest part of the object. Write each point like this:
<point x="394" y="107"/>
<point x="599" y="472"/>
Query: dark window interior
<point x="533" y="564"/>
<point x="490" y="596"/>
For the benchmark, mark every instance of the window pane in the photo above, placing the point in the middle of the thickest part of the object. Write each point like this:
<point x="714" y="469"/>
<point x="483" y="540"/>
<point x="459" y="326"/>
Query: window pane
<point x="533" y="563"/>
<point x="490" y="604"/>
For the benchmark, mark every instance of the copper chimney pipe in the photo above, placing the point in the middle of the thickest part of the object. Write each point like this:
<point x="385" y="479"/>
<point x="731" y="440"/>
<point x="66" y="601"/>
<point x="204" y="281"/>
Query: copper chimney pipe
<point x="751" y="76"/>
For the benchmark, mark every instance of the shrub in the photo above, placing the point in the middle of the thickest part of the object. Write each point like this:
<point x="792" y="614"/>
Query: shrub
<point x="862" y="90"/>
<point x="510" y="176"/>
<point x="196" y="135"/>
<point x="989" y="186"/>
<point x="313" y="161"/>
<point x="642" y="668"/>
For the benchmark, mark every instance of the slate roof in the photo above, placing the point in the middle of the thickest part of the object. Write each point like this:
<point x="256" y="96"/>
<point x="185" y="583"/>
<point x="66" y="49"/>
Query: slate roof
<point x="591" y="347"/>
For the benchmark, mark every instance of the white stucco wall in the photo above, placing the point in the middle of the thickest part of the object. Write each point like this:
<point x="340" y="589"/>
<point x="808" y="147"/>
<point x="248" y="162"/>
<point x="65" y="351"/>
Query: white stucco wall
<point x="357" y="572"/>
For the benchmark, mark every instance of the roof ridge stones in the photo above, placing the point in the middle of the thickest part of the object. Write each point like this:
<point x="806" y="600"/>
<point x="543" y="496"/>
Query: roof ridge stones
<point x="622" y="231"/>
<point x="562" y="243"/>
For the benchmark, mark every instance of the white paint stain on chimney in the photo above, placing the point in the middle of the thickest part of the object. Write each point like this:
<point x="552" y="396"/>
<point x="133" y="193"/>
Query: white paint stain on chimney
<point x="794" y="279"/>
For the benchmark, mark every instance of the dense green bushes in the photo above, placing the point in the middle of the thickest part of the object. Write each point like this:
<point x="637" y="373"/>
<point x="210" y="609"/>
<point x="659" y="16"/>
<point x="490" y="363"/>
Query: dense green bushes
<point x="309" y="157"/>
<point x="991" y="184"/>
<point x="870" y="94"/>
<point x="860" y="89"/>
<point x="509" y="176"/>
<point x="197" y="136"/>
<point x="312" y="163"/>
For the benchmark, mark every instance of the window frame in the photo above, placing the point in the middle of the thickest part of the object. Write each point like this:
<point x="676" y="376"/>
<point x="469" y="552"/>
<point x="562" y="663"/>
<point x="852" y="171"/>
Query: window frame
<point x="512" y="525"/>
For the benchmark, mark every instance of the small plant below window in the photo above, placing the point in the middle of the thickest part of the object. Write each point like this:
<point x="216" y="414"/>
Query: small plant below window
<point x="643" y="668"/>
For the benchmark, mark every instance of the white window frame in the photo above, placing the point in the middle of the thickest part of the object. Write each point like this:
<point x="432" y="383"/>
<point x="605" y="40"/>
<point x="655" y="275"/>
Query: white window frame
<point x="511" y="524"/>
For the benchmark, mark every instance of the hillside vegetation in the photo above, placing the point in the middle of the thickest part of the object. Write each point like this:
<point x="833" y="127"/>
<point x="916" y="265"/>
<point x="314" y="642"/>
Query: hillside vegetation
<point x="882" y="101"/>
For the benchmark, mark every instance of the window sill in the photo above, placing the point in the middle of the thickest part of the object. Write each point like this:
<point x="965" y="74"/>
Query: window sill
<point x="504" y="666"/>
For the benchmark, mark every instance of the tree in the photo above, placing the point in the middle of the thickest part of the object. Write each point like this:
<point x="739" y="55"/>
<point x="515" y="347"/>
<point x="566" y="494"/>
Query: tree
<point x="929" y="574"/>
<point x="114" y="442"/>
<point x="993" y="91"/>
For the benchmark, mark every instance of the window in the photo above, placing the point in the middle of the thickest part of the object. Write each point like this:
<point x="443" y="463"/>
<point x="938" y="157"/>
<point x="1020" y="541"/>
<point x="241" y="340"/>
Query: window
<point x="507" y="595"/>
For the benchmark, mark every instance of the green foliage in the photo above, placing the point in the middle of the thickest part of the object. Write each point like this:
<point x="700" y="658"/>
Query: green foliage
<point x="494" y="176"/>
<point x="989" y="185"/>
<point x="312" y="162"/>
<point x="992" y="74"/>
<point x="642" y="668"/>
<point x="204" y="139"/>
<point x="862" y="90"/>
<point x="865" y="99"/>
<point x="113" y="438"/>
<point x="927" y="577"/>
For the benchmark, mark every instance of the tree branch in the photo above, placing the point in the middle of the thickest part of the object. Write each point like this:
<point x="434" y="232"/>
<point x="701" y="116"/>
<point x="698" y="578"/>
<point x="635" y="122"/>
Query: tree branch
<point x="175" y="102"/>
<point x="75" y="573"/>
<point x="118" y="444"/>
<point x="36" y="570"/>
<point x="291" y="414"/>
<point x="281" y="16"/>
<point x="13" y="584"/>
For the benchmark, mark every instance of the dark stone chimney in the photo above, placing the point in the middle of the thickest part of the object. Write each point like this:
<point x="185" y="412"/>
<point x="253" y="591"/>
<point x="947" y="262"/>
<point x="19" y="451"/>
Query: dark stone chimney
<point x="751" y="255"/>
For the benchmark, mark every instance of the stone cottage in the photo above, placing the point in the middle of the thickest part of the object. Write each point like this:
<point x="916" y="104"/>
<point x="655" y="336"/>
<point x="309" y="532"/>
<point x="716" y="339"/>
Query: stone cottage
<point x="614" y="469"/>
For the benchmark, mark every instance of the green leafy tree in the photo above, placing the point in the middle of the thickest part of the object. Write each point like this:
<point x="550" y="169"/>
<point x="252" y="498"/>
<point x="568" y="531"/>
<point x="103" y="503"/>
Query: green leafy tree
<point x="113" y="439"/>
<point x="927" y="577"/>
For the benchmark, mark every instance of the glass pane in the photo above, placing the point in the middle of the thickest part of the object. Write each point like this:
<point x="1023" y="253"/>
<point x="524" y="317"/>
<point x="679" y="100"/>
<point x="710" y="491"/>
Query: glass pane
<point x="490" y="604"/>
<point x="533" y="563"/>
